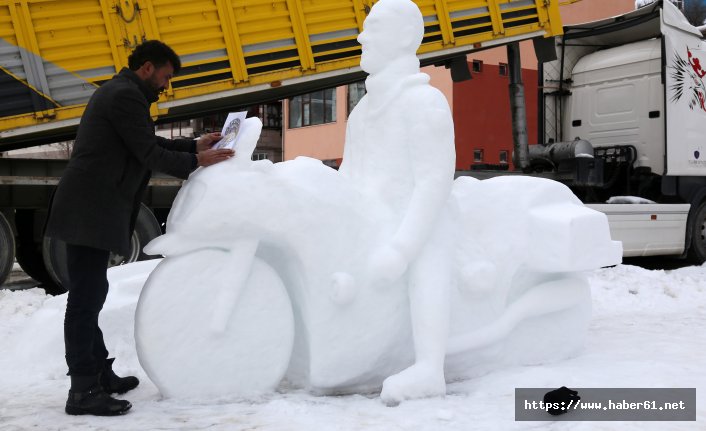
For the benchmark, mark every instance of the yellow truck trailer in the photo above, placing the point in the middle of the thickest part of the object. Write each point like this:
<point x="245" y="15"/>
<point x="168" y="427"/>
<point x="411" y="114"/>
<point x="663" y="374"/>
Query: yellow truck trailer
<point x="54" y="53"/>
<point x="235" y="53"/>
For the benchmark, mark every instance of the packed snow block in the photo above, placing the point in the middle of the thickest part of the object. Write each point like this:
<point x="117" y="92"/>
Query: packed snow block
<point x="385" y="274"/>
<point x="521" y="246"/>
<point x="571" y="237"/>
<point x="507" y="216"/>
<point x="200" y="336"/>
<point x="264" y="281"/>
<point x="234" y="234"/>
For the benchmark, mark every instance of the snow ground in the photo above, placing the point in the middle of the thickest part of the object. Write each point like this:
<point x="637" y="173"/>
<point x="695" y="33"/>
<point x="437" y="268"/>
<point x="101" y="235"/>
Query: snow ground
<point x="648" y="330"/>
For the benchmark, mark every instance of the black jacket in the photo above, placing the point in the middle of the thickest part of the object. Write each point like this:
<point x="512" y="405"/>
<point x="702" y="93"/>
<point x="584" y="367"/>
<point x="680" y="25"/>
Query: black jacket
<point x="98" y="198"/>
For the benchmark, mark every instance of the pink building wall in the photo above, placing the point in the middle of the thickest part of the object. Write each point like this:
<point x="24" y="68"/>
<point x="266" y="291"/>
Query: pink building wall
<point x="321" y="141"/>
<point x="325" y="141"/>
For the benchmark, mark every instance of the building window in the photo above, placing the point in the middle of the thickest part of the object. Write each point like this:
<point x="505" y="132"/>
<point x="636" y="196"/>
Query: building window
<point x="179" y="129"/>
<point x="503" y="156"/>
<point x="260" y="156"/>
<point x="332" y="163"/>
<point x="314" y="108"/>
<point x="503" y="69"/>
<point x="477" y="66"/>
<point x="477" y="156"/>
<point x="356" y="91"/>
<point x="179" y="125"/>
<point x="270" y="115"/>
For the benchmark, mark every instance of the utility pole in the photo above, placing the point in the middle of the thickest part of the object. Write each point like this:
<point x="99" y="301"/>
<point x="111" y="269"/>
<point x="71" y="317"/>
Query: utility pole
<point x="517" y="106"/>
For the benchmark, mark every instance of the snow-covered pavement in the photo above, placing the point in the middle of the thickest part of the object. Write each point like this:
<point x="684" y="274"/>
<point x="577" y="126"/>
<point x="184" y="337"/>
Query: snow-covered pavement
<point x="648" y="330"/>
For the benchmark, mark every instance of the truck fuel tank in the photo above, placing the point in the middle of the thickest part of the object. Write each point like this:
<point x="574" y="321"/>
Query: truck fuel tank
<point x="572" y="161"/>
<point x="557" y="152"/>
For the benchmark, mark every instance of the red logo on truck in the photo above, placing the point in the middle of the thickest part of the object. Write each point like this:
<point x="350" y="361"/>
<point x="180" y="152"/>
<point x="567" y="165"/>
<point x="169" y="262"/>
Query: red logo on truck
<point x="687" y="76"/>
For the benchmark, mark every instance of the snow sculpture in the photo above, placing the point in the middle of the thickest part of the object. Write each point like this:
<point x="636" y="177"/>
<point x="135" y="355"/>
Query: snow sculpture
<point x="386" y="274"/>
<point x="400" y="152"/>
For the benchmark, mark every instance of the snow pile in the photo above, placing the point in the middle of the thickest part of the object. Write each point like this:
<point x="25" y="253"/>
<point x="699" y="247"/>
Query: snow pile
<point x="642" y="3"/>
<point x="651" y="338"/>
<point x="17" y="306"/>
<point x="639" y="290"/>
<point x="35" y="334"/>
<point x="628" y="200"/>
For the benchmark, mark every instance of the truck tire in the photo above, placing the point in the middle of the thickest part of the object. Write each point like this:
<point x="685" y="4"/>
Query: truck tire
<point x="54" y="253"/>
<point x="146" y="229"/>
<point x="7" y="249"/>
<point x="28" y="248"/>
<point x="29" y="256"/>
<point x="697" y="246"/>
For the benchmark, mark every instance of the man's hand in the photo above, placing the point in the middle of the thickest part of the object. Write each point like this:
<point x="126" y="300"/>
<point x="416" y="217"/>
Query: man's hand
<point x="210" y="157"/>
<point x="206" y="141"/>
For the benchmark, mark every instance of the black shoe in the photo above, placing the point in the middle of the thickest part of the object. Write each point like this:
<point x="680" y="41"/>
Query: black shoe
<point x="95" y="401"/>
<point x="113" y="384"/>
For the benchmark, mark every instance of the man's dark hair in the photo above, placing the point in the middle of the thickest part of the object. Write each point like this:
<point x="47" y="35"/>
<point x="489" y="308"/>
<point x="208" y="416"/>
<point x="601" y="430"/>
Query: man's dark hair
<point x="159" y="53"/>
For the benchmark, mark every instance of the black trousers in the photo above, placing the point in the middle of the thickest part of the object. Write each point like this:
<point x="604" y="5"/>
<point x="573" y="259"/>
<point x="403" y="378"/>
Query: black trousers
<point x="88" y="288"/>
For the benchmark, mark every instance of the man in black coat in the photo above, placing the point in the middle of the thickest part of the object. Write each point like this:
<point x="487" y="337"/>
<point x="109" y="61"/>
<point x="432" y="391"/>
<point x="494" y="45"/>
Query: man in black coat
<point x="96" y="205"/>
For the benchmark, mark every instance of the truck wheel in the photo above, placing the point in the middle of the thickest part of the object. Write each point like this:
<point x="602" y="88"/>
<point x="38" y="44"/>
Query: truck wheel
<point x="29" y="256"/>
<point x="7" y="249"/>
<point x="697" y="248"/>
<point x="146" y="229"/>
<point x="54" y="252"/>
<point x="29" y="249"/>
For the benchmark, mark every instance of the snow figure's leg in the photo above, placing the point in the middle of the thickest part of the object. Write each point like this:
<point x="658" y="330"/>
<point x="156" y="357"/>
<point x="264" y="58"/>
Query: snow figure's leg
<point x="430" y="279"/>
<point x="549" y="297"/>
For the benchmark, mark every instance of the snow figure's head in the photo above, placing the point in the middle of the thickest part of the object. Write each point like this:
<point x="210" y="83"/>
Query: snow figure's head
<point x="393" y="29"/>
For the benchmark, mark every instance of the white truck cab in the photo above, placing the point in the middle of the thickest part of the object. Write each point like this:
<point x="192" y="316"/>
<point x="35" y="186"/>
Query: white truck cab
<point x="634" y="88"/>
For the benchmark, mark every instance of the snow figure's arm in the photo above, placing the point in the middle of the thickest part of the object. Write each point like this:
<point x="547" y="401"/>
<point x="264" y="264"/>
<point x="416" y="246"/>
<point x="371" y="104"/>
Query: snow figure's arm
<point x="432" y="156"/>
